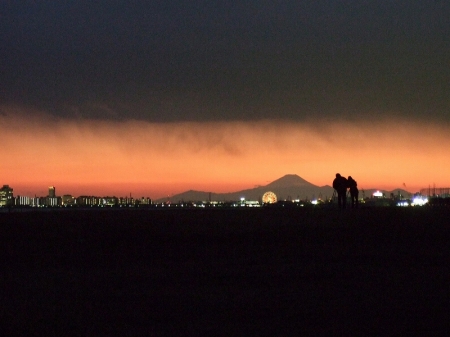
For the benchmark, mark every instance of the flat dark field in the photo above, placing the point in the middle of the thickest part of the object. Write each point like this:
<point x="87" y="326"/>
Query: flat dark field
<point x="234" y="272"/>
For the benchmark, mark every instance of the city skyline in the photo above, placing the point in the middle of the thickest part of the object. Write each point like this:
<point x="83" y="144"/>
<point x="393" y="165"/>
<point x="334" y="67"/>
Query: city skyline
<point x="292" y="185"/>
<point x="162" y="97"/>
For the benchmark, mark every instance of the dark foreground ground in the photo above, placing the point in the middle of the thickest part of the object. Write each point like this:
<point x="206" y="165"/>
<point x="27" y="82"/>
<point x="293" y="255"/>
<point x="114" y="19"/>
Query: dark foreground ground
<point x="237" y="272"/>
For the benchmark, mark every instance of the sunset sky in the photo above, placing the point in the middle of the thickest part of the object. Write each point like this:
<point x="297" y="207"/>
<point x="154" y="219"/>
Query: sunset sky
<point x="155" y="98"/>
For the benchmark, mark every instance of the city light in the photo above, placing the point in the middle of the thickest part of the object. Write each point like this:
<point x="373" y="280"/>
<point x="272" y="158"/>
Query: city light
<point x="268" y="199"/>
<point x="377" y="194"/>
<point x="419" y="201"/>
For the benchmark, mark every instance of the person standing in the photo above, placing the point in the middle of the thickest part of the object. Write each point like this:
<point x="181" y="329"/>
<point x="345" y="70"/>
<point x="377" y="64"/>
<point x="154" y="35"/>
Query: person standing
<point x="340" y="184"/>
<point x="353" y="191"/>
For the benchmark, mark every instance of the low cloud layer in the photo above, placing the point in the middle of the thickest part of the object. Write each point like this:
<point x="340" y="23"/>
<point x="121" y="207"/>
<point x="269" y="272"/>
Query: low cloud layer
<point x="158" y="159"/>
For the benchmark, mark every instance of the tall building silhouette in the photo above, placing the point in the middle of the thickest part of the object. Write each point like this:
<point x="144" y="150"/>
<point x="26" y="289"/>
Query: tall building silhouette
<point x="52" y="192"/>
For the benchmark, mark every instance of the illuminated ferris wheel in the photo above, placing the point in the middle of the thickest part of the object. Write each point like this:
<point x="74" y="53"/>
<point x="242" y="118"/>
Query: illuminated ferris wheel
<point x="269" y="198"/>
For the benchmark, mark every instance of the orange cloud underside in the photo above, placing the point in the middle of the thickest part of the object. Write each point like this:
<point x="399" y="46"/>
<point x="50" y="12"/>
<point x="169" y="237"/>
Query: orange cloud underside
<point x="155" y="160"/>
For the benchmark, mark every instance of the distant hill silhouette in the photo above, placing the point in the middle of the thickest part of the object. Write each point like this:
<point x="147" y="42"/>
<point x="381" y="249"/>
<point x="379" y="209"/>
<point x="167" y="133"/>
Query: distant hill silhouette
<point x="288" y="187"/>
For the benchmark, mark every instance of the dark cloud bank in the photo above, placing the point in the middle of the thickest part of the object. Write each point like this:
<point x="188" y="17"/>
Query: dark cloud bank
<point x="200" y="60"/>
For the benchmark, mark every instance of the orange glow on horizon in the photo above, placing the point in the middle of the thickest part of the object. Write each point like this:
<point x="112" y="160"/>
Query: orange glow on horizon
<point x="89" y="157"/>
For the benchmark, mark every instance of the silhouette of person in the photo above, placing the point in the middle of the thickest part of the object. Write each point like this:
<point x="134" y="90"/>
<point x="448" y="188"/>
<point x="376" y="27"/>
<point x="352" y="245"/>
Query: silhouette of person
<point x="353" y="191"/>
<point x="340" y="184"/>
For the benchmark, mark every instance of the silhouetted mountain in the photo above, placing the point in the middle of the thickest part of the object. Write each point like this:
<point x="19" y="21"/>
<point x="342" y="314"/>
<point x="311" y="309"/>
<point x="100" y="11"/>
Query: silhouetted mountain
<point x="290" y="180"/>
<point x="288" y="187"/>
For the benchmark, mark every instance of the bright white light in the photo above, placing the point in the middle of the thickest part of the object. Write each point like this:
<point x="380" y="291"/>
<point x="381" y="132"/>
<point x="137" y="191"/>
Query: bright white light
<point x="314" y="202"/>
<point x="403" y="203"/>
<point x="377" y="194"/>
<point x="419" y="201"/>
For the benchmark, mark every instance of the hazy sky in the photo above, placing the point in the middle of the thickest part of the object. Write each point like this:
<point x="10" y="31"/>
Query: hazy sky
<point x="219" y="95"/>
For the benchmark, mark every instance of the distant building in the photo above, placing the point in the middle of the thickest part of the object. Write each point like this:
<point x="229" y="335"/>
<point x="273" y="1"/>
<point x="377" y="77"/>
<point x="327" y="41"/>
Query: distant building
<point x="67" y="199"/>
<point x="37" y="201"/>
<point x="22" y="200"/>
<point x="53" y="201"/>
<point x="251" y="203"/>
<point x="126" y="201"/>
<point x="88" y="200"/>
<point x="6" y="196"/>
<point x="145" y="201"/>
<point x="110" y="201"/>
<point x="51" y="192"/>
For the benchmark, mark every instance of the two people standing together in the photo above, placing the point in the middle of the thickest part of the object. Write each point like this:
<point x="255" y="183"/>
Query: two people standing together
<point x="340" y="184"/>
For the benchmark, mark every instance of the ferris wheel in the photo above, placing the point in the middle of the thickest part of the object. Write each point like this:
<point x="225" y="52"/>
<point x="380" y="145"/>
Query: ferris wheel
<point x="269" y="198"/>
